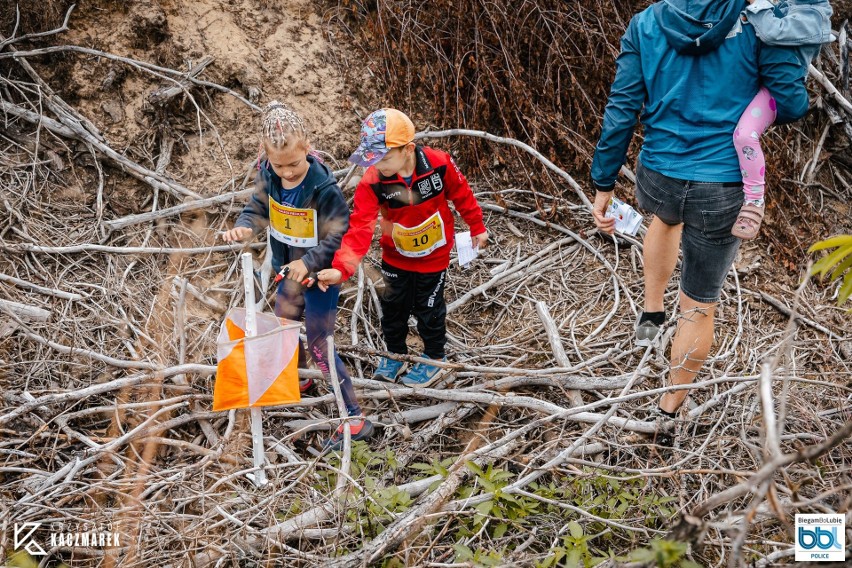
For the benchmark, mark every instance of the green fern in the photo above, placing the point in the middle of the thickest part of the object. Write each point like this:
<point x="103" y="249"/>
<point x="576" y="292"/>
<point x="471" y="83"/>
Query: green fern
<point x="837" y="262"/>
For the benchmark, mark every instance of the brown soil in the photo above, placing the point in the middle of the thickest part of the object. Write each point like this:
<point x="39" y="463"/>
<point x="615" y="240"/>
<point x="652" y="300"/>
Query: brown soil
<point x="262" y="50"/>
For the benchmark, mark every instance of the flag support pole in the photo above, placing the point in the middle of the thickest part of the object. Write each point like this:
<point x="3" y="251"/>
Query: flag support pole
<point x="258" y="456"/>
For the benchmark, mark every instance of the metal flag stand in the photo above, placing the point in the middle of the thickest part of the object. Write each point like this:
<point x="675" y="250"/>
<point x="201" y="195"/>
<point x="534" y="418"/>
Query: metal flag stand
<point x="259" y="475"/>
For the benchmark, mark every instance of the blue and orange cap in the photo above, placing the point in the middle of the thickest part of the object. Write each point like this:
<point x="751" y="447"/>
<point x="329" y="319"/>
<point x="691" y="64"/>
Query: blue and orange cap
<point x="382" y="130"/>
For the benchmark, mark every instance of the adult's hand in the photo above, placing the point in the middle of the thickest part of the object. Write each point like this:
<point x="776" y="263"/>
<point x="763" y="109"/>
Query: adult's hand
<point x="328" y="277"/>
<point x="237" y="234"/>
<point x="602" y="222"/>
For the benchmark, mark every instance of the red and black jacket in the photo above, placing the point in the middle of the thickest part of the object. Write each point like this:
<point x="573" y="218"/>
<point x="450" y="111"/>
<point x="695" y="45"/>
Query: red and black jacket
<point x="436" y="181"/>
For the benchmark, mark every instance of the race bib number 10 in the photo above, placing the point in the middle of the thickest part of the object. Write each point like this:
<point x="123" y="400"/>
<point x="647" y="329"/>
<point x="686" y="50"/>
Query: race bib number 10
<point x="292" y="226"/>
<point x="420" y="240"/>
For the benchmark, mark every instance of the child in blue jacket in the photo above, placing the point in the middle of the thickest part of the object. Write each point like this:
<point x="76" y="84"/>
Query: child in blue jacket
<point x="298" y="198"/>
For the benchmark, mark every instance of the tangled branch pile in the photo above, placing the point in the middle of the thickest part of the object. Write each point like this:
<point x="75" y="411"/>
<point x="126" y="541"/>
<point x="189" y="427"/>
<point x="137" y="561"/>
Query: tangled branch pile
<point x="539" y="447"/>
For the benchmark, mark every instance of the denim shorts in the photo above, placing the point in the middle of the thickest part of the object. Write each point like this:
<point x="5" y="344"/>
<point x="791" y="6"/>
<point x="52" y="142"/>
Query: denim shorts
<point x="708" y="211"/>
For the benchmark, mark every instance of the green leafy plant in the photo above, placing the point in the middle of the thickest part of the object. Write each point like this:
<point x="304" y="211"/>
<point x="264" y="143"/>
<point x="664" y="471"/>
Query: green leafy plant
<point x="573" y="552"/>
<point x="479" y="558"/>
<point x="380" y="508"/>
<point x="837" y="261"/>
<point x="435" y="467"/>
<point x="375" y="507"/>
<point x="664" y="554"/>
<point x="364" y="461"/>
<point x="505" y="508"/>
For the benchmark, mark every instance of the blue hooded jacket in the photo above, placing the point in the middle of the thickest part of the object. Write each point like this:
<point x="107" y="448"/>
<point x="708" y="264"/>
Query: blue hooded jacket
<point x="320" y="193"/>
<point x="691" y="67"/>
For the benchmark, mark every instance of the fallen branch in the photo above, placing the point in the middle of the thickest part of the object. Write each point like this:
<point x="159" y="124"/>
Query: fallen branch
<point x="88" y="247"/>
<point x="41" y="289"/>
<point x="24" y="311"/>
<point x="517" y="144"/>
<point x="163" y="95"/>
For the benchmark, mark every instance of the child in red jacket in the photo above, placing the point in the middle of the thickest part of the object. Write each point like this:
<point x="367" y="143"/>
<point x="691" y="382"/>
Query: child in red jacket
<point x="411" y="186"/>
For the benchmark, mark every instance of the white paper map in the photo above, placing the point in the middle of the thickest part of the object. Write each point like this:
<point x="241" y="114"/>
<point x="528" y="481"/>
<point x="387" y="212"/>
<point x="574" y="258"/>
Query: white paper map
<point x="464" y="248"/>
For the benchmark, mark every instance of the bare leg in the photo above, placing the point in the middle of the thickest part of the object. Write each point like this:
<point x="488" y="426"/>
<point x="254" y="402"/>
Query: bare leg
<point x="690" y="347"/>
<point x="661" y="246"/>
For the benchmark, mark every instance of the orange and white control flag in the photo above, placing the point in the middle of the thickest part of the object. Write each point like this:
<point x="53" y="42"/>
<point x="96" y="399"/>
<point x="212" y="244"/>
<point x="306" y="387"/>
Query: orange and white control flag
<point x="256" y="371"/>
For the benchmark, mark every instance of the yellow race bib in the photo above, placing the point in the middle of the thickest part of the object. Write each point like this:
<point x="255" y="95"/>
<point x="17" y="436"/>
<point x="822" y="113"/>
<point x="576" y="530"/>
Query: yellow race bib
<point x="292" y="226"/>
<point x="420" y="240"/>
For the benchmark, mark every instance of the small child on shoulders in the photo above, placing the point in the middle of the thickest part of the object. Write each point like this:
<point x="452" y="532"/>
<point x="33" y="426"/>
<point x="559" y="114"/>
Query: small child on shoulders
<point x="806" y="25"/>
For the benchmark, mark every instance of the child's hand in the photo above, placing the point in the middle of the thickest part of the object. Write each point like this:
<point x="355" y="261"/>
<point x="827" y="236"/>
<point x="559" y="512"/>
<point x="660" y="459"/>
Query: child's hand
<point x="604" y="223"/>
<point x="328" y="277"/>
<point x="480" y="241"/>
<point x="298" y="270"/>
<point x="237" y="234"/>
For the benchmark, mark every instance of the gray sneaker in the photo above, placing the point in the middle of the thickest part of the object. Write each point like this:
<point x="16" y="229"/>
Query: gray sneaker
<point x="646" y="333"/>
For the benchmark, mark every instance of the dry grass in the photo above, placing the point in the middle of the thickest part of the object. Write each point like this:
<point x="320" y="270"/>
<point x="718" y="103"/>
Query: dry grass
<point x="105" y="416"/>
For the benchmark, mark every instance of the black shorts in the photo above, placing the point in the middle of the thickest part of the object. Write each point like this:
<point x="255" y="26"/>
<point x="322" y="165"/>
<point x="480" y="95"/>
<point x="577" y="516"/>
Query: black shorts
<point x="708" y="212"/>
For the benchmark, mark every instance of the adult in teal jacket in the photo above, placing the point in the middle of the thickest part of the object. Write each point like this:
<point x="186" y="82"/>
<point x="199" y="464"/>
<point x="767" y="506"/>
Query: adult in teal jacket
<point x="688" y="69"/>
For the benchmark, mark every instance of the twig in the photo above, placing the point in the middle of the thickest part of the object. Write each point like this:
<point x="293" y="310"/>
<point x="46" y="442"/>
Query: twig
<point x="42" y="289"/>
<point x="517" y="144"/>
<point x="556" y="345"/>
<point x="829" y="86"/>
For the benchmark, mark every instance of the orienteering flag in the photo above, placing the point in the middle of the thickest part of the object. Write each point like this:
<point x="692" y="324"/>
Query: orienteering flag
<point x="256" y="371"/>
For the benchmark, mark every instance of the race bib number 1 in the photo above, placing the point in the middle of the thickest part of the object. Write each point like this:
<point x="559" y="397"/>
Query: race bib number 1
<point x="420" y="240"/>
<point x="292" y="226"/>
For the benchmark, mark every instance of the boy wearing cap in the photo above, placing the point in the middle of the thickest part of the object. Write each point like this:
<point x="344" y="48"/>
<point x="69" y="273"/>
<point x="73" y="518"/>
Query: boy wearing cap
<point x="411" y="186"/>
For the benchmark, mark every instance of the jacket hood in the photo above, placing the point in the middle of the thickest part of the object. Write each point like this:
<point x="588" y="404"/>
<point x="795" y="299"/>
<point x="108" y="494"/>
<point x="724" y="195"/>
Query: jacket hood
<point x="695" y="27"/>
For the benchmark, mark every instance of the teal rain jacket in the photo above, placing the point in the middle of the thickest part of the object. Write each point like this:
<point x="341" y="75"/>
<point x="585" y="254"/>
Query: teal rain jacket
<point x="688" y="69"/>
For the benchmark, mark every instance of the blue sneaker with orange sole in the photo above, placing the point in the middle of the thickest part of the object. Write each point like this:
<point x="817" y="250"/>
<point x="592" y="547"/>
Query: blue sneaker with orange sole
<point x="360" y="430"/>
<point x="306" y="385"/>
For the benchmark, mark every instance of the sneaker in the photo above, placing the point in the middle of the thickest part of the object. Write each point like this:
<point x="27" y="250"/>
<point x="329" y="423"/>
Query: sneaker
<point x="646" y="333"/>
<point x="422" y="374"/>
<point x="360" y="431"/>
<point x="663" y="437"/>
<point x="388" y="370"/>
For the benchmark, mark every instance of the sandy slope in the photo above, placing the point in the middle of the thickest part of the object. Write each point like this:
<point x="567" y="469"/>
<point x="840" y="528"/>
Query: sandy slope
<point x="262" y="50"/>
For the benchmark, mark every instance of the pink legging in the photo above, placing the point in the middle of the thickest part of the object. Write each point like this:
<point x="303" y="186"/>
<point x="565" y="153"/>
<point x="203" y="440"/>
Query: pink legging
<point x="757" y="117"/>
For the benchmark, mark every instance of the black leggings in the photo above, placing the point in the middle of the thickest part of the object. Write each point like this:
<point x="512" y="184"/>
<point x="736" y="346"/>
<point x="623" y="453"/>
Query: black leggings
<point x="418" y="293"/>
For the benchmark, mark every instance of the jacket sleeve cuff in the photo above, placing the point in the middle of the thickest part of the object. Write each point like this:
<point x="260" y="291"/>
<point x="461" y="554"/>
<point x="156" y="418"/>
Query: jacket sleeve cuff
<point x="759" y="6"/>
<point x="308" y="261"/>
<point x="603" y="188"/>
<point x="245" y="222"/>
<point x="347" y="274"/>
